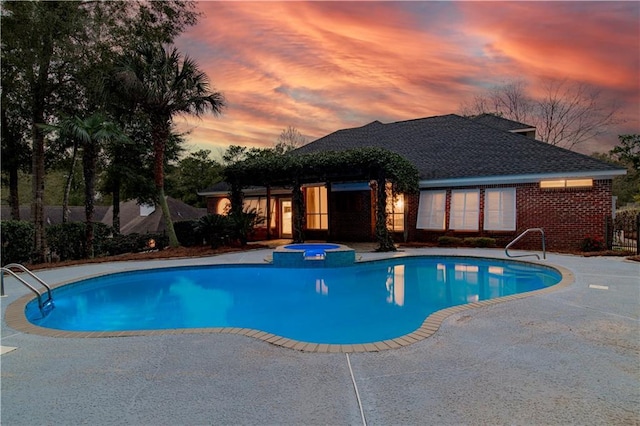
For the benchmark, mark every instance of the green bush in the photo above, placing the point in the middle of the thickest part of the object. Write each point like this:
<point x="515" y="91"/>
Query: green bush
<point x="101" y="233"/>
<point x="625" y="220"/>
<point x="68" y="241"/>
<point x="214" y="229"/>
<point x="480" y="242"/>
<point x="17" y="241"/>
<point x="446" y="241"/>
<point x="592" y="244"/>
<point x="243" y="224"/>
<point x="188" y="233"/>
<point x="134" y="243"/>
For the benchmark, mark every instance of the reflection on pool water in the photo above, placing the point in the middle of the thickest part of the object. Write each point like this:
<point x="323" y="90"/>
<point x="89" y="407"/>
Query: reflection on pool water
<point x="366" y="302"/>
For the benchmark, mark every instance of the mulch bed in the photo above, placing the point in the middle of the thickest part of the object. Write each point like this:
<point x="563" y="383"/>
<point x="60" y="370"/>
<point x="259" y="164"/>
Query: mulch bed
<point x="167" y="253"/>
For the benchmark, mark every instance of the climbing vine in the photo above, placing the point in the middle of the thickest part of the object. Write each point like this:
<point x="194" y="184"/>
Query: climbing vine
<point x="293" y="170"/>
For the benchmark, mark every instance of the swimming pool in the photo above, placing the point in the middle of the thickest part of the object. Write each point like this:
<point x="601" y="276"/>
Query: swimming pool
<point x="366" y="302"/>
<point x="311" y="249"/>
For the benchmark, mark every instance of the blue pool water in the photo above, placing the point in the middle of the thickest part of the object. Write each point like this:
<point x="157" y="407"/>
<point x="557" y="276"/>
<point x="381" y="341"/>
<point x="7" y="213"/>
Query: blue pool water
<point x="366" y="302"/>
<point x="311" y="250"/>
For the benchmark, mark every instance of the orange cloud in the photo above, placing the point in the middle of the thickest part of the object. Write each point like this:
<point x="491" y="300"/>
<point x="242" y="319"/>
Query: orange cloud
<point x="322" y="66"/>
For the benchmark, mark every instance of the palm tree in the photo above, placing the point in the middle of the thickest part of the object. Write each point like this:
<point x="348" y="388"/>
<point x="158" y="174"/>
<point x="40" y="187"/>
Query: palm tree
<point x="163" y="84"/>
<point x="90" y="134"/>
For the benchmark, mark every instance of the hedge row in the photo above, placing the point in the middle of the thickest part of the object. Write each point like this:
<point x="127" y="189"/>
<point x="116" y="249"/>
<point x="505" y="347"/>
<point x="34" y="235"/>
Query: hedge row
<point x="447" y="241"/>
<point x="67" y="241"/>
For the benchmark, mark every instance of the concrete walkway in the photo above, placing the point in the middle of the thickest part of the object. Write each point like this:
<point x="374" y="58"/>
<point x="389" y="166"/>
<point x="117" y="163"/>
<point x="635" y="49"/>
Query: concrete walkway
<point x="567" y="357"/>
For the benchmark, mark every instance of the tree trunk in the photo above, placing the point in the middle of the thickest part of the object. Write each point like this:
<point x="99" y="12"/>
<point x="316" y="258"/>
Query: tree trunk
<point x="160" y="130"/>
<point x="385" y="241"/>
<point x="39" y="89"/>
<point x="89" y="171"/>
<point x="12" y="166"/>
<point x="237" y="198"/>
<point x="297" y="199"/>
<point x="14" y="199"/>
<point x="37" y="205"/>
<point x="67" y="186"/>
<point x="116" y="206"/>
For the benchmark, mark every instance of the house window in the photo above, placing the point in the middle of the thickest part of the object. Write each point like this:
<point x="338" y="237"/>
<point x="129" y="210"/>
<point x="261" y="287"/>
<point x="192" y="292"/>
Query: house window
<point x="316" y="205"/>
<point x="395" y="210"/>
<point x="260" y="206"/>
<point x="223" y="206"/>
<point x="500" y="209"/>
<point x="465" y="210"/>
<point x="431" y="210"/>
<point x="566" y="183"/>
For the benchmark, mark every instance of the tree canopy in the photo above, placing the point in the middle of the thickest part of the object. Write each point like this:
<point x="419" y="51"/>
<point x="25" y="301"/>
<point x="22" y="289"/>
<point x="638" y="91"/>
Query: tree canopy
<point x="368" y="163"/>
<point x="564" y="113"/>
<point x="626" y="154"/>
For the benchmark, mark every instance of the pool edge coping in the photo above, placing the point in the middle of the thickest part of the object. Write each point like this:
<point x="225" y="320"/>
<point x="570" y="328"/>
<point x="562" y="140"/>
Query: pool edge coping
<point x="16" y="319"/>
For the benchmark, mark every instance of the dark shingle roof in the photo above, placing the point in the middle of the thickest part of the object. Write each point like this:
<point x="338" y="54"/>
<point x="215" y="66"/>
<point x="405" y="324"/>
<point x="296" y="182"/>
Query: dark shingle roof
<point x="53" y="214"/>
<point x="131" y="221"/>
<point x="452" y="147"/>
<point x="500" y="122"/>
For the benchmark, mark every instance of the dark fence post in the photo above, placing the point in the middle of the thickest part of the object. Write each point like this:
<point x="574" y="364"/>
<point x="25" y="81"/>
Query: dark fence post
<point x="608" y="232"/>
<point x="638" y="234"/>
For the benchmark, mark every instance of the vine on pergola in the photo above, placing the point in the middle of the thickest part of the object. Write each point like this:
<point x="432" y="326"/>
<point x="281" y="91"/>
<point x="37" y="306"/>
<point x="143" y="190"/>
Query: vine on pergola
<point x="294" y="170"/>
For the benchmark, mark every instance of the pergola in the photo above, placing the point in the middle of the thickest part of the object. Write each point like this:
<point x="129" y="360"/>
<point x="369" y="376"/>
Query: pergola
<point x="376" y="165"/>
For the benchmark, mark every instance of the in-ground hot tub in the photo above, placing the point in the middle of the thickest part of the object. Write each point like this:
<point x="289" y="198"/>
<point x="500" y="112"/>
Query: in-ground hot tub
<point x="313" y="255"/>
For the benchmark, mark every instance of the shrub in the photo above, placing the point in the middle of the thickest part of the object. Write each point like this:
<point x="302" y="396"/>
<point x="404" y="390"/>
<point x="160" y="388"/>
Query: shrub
<point x="625" y="221"/>
<point x="446" y="241"/>
<point x="101" y="233"/>
<point x="215" y="229"/>
<point x="188" y="233"/>
<point x="69" y="242"/>
<point x="592" y="244"/>
<point x="243" y="224"/>
<point x="480" y="242"/>
<point x="135" y="243"/>
<point x="17" y="241"/>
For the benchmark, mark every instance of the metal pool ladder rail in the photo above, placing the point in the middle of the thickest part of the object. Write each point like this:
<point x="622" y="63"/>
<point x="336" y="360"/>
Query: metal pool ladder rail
<point x="45" y="305"/>
<point x="544" y="252"/>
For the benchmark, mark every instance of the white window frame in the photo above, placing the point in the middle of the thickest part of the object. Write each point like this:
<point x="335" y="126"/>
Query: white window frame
<point x="432" y="210"/>
<point x="464" y="214"/>
<point x="500" y="212"/>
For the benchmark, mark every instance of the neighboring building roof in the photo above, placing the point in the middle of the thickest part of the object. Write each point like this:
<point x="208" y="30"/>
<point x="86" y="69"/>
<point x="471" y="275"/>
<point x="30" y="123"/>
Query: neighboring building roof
<point x="451" y="147"/>
<point x="130" y="219"/>
<point x="53" y="214"/>
<point x="132" y="222"/>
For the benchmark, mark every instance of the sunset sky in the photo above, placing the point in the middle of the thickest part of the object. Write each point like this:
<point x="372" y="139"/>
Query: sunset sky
<point x="325" y="66"/>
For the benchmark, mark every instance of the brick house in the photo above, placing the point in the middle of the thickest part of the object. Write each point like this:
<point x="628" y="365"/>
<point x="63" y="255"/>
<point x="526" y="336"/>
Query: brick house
<point x="485" y="176"/>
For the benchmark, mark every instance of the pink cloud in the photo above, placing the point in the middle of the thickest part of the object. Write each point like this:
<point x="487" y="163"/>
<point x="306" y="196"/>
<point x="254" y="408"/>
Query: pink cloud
<point x="322" y="66"/>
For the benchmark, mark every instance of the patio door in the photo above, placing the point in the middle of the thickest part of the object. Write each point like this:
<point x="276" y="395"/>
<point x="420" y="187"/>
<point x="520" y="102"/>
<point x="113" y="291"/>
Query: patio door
<point x="286" y="215"/>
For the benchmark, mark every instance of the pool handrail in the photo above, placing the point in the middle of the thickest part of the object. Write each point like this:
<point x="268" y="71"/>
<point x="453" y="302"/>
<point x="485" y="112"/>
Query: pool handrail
<point x="525" y="232"/>
<point x="9" y="270"/>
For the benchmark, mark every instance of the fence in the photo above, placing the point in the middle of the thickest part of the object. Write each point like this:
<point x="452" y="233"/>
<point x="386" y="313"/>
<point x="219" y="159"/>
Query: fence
<point x="622" y="233"/>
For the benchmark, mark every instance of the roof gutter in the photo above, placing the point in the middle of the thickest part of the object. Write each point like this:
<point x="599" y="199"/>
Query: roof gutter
<point x="516" y="179"/>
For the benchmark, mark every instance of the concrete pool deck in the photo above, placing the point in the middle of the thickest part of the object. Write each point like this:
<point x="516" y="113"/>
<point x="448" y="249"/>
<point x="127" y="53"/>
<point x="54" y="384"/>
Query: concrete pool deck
<point x="570" y="356"/>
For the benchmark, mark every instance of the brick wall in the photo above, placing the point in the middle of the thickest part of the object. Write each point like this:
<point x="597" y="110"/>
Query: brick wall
<point x="351" y="216"/>
<point x="566" y="215"/>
